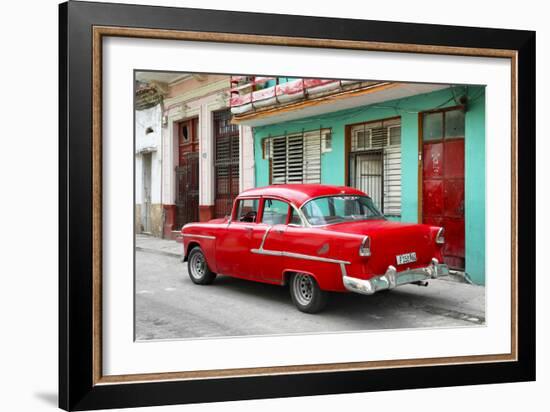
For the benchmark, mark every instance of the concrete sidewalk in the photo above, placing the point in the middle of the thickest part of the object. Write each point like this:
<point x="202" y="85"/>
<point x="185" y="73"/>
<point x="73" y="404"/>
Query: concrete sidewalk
<point x="151" y="244"/>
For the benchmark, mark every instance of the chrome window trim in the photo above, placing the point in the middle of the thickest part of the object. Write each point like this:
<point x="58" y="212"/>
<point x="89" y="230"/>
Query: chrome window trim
<point x="301" y="215"/>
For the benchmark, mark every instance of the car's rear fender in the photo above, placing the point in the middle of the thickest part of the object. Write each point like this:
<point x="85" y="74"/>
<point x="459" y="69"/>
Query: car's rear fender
<point x="329" y="279"/>
<point x="287" y="273"/>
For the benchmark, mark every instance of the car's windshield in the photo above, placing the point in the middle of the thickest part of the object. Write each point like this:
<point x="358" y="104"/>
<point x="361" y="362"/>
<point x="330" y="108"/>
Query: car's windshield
<point x="341" y="208"/>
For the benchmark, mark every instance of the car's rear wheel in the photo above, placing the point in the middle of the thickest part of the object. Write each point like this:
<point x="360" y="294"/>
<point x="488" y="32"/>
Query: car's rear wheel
<point x="198" y="269"/>
<point x="306" y="293"/>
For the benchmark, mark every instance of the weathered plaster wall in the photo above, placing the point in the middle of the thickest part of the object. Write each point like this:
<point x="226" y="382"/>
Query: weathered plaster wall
<point x="156" y="220"/>
<point x="193" y="98"/>
<point x="333" y="169"/>
<point x="187" y="99"/>
<point x="148" y="143"/>
<point x="246" y="158"/>
<point x="138" y="227"/>
<point x="191" y="85"/>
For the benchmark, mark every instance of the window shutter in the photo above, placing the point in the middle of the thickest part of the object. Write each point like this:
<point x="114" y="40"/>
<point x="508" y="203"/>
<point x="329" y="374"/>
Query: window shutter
<point x="312" y="157"/>
<point x="379" y="137"/>
<point x="278" y="162"/>
<point x="392" y="181"/>
<point x="296" y="158"/>
<point x="394" y="135"/>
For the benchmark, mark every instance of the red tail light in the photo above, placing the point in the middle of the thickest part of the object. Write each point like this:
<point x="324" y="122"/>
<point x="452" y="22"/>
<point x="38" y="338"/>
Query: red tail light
<point x="440" y="237"/>
<point x="364" y="249"/>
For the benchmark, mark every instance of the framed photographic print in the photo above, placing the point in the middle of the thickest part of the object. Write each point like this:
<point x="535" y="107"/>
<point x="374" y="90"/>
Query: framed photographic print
<point x="257" y="205"/>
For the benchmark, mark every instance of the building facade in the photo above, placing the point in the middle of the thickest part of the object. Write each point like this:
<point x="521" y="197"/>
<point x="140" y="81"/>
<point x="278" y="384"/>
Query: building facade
<point x="148" y="162"/>
<point x="201" y="161"/>
<point x="417" y="149"/>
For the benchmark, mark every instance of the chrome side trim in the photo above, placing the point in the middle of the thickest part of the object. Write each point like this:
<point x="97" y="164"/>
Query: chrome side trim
<point x="265" y="237"/>
<point x="262" y="251"/>
<point x="198" y="236"/>
<point x="297" y="256"/>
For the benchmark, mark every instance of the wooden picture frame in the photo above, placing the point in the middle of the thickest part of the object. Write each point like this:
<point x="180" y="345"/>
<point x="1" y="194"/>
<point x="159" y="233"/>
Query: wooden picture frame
<point x="81" y="30"/>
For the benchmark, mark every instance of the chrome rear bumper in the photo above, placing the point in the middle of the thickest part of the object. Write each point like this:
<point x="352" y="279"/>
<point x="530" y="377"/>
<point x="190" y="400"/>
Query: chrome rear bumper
<point x="392" y="278"/>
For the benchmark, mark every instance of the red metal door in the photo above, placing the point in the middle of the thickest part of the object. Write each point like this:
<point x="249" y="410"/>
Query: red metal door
<point x="443" y="195"/>
<point x="443" y="180"/>
<point x="187" y="173"/>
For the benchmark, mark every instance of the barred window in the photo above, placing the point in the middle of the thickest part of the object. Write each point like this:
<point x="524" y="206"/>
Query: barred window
<point x="375" y="163"/>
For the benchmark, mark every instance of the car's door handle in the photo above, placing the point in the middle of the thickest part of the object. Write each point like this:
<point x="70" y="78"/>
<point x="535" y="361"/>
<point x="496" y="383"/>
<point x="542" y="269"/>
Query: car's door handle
<point x="249" y="228"/>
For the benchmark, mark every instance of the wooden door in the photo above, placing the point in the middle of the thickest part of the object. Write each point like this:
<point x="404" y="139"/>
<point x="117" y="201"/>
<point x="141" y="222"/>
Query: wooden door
<point x="443" y="180"/>
<point x="187" y="173"/>
<point x="226" y="163"/>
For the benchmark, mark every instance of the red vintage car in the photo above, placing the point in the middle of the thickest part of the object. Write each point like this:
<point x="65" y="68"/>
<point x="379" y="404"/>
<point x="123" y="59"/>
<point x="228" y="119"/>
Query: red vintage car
<point x="316" y="239"/>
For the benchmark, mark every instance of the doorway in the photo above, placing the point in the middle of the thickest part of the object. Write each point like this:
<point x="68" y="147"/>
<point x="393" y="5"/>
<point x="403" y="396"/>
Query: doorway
<point x="443" y="180"/>
<point x="187" y="173"/>
<point x="226" y="163"/>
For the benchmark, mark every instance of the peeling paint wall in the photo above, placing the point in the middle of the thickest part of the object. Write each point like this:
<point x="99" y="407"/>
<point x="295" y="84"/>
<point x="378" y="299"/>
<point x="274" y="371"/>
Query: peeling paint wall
<point x="192" y="98"/>
<point x="148" y="139"/>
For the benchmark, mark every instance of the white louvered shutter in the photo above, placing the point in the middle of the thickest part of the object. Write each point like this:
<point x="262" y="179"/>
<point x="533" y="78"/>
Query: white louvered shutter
<point x="296" y="158"/>
<point x="278" y="161"/>
<point x="312" y="157"/>
<point x="392" y="171"/>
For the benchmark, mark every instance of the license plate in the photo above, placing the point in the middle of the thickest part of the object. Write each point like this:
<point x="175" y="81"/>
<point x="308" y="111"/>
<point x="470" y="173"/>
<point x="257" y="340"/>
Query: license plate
<point x="406" y="258"/>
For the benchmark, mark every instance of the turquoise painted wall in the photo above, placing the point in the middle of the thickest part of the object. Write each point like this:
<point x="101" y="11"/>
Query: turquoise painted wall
<point x="332" y="163"/>
<point x="474" y="196"/>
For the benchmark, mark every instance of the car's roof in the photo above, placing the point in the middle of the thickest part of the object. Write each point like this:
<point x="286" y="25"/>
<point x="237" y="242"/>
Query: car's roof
<point x="298" y="194"/>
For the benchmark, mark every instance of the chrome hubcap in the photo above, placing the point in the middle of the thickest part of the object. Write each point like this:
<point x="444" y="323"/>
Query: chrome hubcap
<point x="197" y="265"/>
<point x="303" y="289"/>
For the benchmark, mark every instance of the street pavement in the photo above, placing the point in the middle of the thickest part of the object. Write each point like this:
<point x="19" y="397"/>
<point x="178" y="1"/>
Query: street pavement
<point x="170" y="306"/>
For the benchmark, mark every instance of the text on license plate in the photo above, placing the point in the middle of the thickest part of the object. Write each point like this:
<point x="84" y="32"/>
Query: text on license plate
<point x="406" y="258"/>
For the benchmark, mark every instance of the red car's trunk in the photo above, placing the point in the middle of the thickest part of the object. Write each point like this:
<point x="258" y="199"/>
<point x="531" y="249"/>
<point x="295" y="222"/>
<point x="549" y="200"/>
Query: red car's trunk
<point x="388" y="240"/>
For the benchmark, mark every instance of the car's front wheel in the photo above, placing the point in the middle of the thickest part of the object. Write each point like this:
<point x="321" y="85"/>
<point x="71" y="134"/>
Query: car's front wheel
<point x="306" y="293"/>
<point x="198" y="269"/>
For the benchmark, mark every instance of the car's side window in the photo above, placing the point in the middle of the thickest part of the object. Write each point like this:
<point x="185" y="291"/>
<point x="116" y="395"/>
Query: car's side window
<point x="295" y="218"/>
<point x="247" y="210"/>
<point x="275" y="212"/>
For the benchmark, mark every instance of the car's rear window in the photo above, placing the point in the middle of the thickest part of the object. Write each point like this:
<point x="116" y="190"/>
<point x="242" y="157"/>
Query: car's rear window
<point x="341" y="208"/>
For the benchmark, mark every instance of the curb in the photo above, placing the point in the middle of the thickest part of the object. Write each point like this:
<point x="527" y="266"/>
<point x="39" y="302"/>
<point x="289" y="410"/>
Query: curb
<point x="159" y="252"/>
